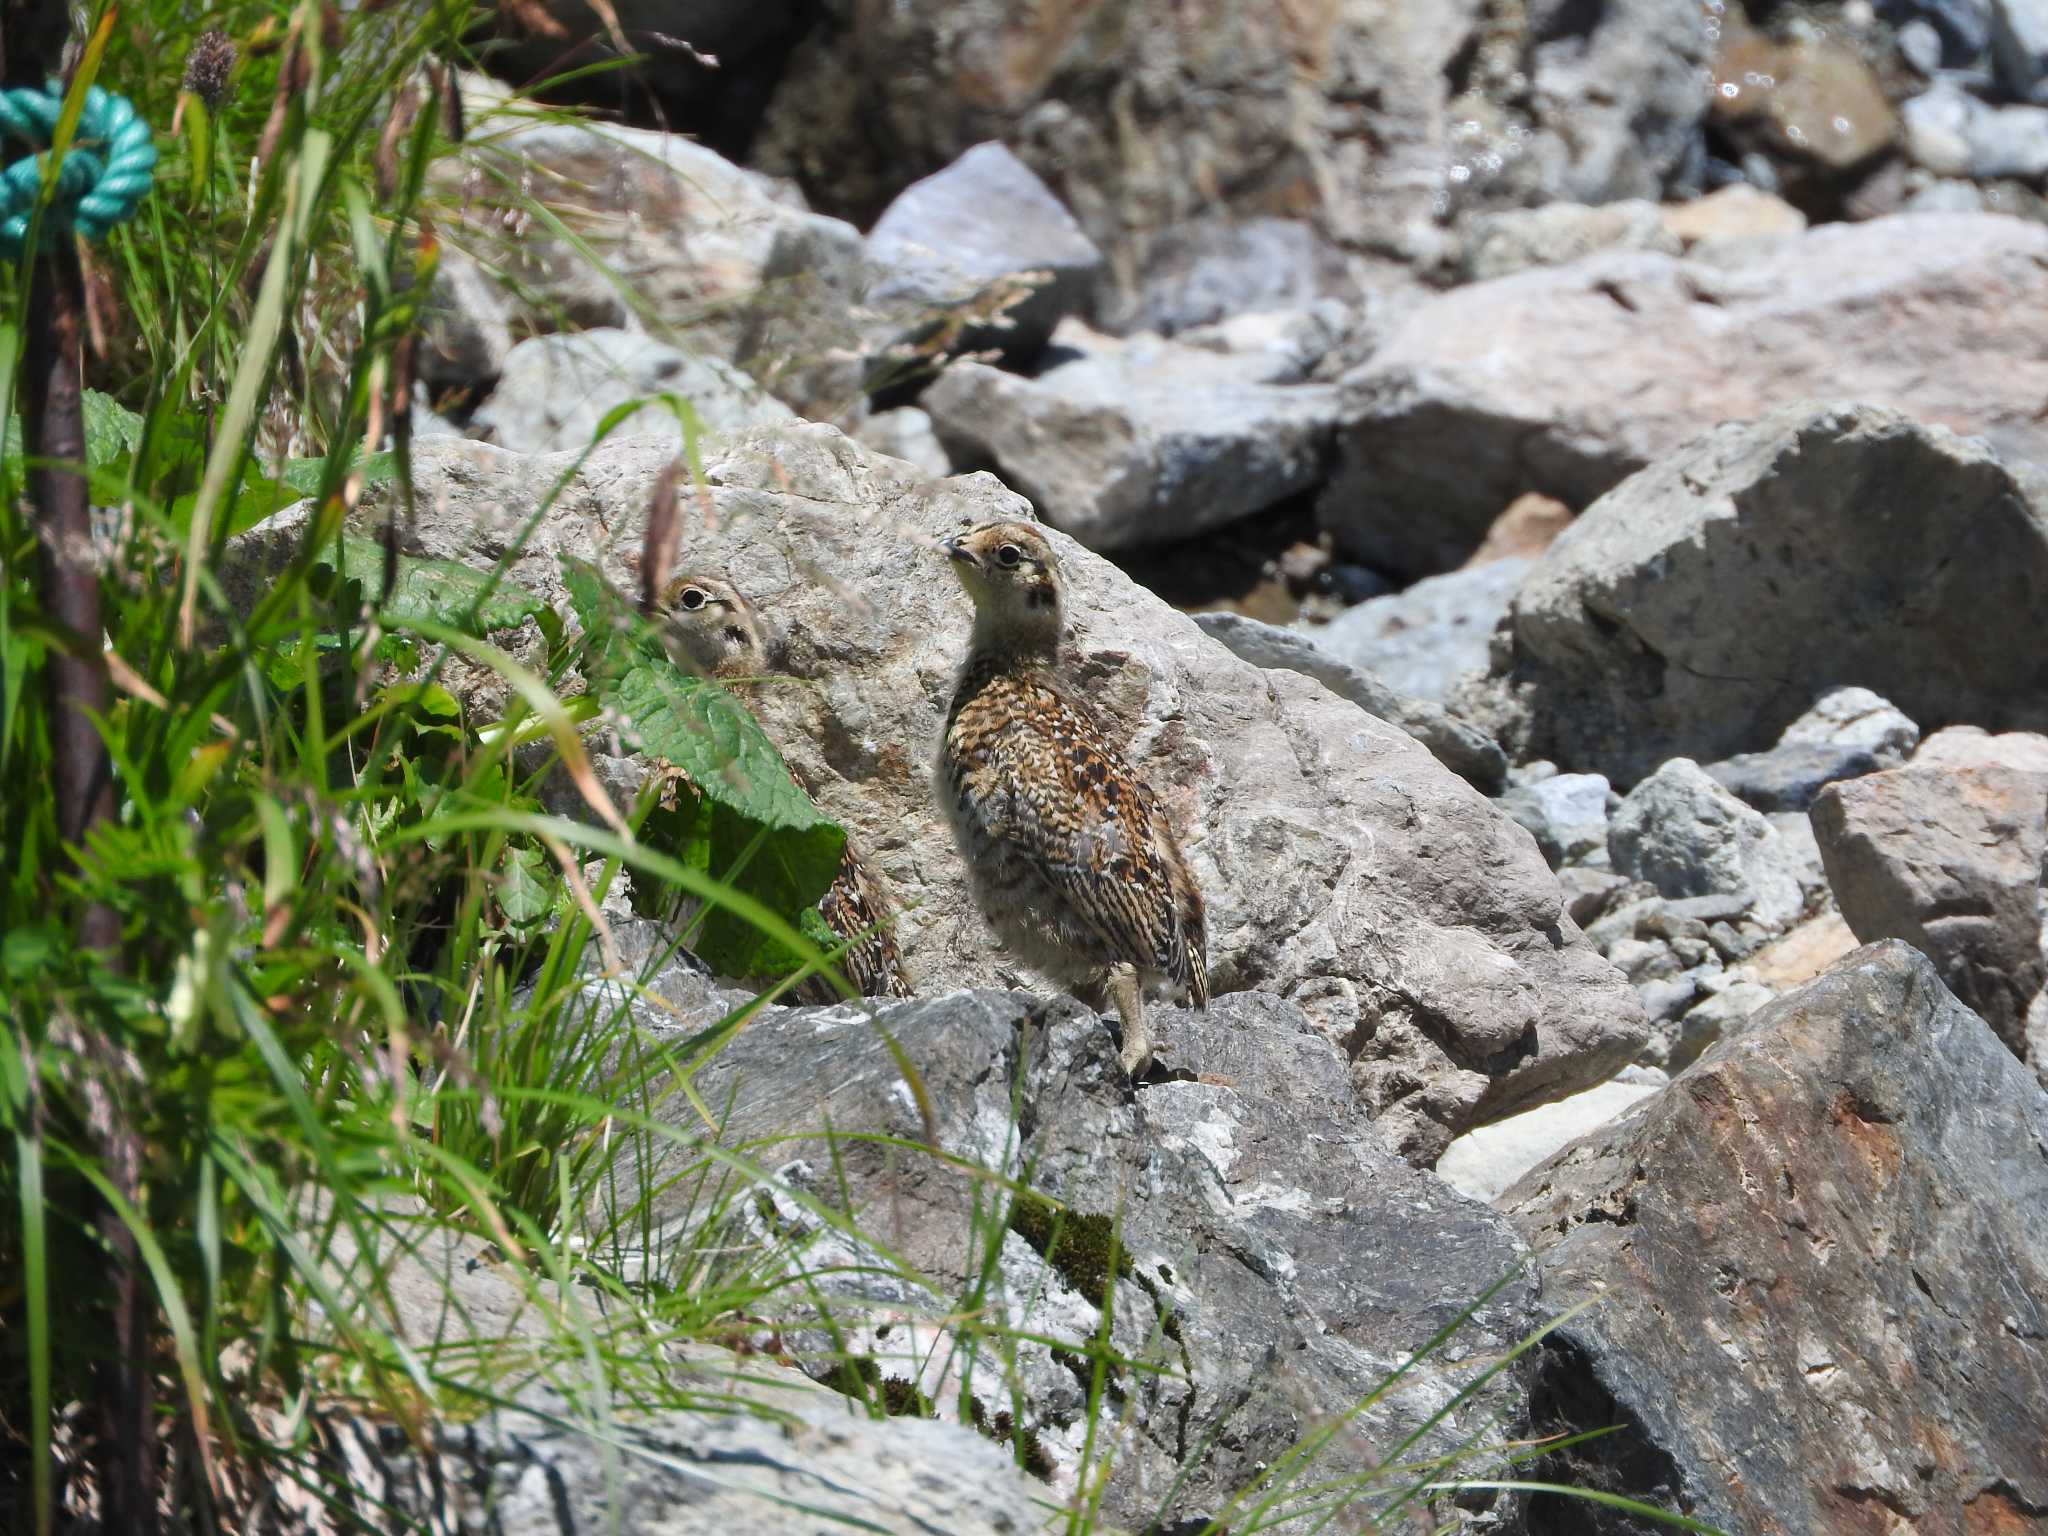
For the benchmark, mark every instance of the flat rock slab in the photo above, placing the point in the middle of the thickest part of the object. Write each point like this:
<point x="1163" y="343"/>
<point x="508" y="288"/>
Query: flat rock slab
<point x="1700" y="607"/>
<point x="1847" y="733"/>
<point x="1461" y="747"/>
<point x="1429" y="638"/>
<point x="1567" y="379"/>
<point x="1824" y="1257"/>
<point x="1138" y="442"/>
<point x="1485" y="1162"/>
<point x="1343" y="866"/>
<point x="813" y="1462"/>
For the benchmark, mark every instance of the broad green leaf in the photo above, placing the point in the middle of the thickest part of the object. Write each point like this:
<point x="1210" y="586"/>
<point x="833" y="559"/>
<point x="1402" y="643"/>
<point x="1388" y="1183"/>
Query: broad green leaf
<point x="302" y="476"/>
<point x="111" y="432"/>
<point x="765" y="836"/>
<point x="441" y="591"/>
<point x="529" y="887"/>
<point x="762" y="834"/>
<point x="618" y="639"/>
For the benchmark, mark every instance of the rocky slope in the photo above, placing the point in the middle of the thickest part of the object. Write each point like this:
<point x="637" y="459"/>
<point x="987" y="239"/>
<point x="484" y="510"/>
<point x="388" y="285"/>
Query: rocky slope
<point x="1632" y="407"/>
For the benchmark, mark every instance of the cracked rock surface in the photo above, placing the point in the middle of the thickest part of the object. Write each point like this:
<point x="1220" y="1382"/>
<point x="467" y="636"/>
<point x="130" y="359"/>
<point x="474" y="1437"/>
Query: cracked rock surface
<point x="1824" y="1253"/>
<point x="1274" y="1249"/>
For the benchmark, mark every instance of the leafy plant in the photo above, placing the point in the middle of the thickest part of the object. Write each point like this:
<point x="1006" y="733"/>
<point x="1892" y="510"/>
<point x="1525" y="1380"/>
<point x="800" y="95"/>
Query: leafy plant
<point x="738" y="815"/>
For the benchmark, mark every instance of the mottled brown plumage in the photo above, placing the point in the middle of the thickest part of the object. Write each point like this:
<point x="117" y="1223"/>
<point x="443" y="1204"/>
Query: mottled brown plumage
<point x="1071" y="857"/>
<point x="713" y="630"/>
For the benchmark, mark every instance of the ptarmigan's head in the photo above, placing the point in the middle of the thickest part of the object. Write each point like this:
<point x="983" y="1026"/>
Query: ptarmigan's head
<point x="711" y="629"/>
<point x="1013" y="576"/>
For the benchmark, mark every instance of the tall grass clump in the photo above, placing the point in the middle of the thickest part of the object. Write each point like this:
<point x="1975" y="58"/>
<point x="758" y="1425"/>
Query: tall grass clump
<point x="310" y="982"/>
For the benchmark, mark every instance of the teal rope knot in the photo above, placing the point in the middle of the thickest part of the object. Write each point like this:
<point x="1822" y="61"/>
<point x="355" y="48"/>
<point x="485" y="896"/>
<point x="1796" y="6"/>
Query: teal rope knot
<point x="105" y="175"/>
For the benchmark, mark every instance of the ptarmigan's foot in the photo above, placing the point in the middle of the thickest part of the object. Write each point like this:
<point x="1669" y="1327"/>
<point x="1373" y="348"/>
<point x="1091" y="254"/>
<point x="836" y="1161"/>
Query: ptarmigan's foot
<point x="1129" y="998"/>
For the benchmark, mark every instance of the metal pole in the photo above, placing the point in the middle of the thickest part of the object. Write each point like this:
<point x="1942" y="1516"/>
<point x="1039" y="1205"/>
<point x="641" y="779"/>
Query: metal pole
<point x="53" y="422"/>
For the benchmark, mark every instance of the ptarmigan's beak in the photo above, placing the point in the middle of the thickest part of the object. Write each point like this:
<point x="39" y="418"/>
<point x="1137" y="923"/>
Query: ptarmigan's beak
<point x="955" y="550"/>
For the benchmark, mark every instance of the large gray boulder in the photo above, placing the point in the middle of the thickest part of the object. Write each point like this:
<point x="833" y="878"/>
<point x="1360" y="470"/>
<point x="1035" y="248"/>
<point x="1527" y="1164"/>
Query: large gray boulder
<point x="721" y="261"/>
<point x="1270" y="1276"/>
<point x="1567" y="379"/>
<point x="1700" y="607"/>
<point x="1137" y="442"/>
<point x="1821" y="1258"/>
<point x="984" y="220"/>
<point x="1343" y="866"/>
<point x="1951" y="858"/>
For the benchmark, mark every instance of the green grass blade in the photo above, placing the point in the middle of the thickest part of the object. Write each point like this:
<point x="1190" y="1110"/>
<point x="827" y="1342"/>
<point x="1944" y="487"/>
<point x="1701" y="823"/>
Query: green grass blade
<point x="35" y="1285"/>
<point x="229" y="450"/>
<point x="1593" y="1496"/>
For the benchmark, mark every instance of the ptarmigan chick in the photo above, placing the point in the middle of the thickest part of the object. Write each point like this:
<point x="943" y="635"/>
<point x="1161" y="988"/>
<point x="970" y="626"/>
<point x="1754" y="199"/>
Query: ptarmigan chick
<point x="1071" y="857"/>
<point x="713" y="630"/>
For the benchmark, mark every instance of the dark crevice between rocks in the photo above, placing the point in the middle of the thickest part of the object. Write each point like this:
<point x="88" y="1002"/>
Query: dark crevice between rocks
<point x="722" y="105"/>
<point x="1883" y="1498"/>
<point x="2002" y="1503"/>
<point x="1273" y="565"/>
<point x="861" y="1379"/>
<point x="1567" y="1397"/>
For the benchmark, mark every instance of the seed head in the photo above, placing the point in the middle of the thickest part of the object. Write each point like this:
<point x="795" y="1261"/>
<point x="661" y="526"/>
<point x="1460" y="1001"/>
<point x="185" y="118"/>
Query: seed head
<point x="208" y="65"/>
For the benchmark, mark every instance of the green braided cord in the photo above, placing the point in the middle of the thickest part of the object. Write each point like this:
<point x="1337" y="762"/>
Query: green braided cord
<point x="105" y="174"/>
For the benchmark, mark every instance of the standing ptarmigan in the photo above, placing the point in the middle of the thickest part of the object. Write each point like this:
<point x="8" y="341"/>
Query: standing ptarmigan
<point x="1071" y="857"/>
<point x="713" y="630"/>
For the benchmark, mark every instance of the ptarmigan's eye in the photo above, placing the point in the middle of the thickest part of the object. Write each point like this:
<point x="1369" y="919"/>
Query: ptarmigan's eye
<point x="1009" y="555"/>
<point x="692" y="599"/>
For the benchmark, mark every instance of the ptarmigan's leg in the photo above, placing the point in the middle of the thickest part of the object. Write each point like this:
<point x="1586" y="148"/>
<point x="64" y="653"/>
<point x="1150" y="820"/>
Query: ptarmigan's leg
<point x="1129" y="998"/>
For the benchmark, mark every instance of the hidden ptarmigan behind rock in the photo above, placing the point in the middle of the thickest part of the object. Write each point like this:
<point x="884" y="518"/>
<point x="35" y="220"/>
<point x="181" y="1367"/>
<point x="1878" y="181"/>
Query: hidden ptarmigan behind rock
<point x="713" y="630"/>
<point x="1069" y="853"/>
